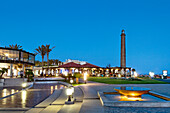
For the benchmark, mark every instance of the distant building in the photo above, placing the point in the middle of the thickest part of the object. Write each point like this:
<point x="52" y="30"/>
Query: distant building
<point x="72" y="66"/>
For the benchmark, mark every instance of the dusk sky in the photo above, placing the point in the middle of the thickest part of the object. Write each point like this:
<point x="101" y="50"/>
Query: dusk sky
<point x="89" y="30"/>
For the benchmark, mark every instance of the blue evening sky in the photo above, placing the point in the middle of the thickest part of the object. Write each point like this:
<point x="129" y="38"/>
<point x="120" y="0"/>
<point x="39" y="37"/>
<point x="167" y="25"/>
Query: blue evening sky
<point x="89" y="30"/>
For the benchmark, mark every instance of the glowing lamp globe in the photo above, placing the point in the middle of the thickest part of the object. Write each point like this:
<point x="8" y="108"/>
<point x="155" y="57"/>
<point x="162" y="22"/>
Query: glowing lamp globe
<point x="151" y="74"/>
<point x="24" y="85"/>
<point x="69" y="91"/>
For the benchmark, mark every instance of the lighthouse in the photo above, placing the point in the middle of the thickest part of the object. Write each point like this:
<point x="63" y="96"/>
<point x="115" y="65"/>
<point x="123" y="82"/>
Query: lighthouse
<point x="123" y="50"/>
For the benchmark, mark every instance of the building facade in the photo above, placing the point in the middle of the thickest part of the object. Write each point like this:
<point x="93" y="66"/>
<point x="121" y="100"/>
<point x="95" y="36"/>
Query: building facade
<point x="16" y="61"/>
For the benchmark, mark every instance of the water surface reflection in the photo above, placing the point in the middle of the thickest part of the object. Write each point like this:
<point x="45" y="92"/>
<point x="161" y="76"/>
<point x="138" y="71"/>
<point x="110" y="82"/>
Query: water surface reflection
<point x="27" y="98"/>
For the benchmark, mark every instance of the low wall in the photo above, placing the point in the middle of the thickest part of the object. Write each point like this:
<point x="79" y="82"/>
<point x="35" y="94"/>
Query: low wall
<point x="14" y="81"/>
<point x="48" y="78"/>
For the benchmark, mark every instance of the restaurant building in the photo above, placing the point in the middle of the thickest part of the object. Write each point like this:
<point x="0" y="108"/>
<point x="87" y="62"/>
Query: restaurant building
<point x="72" y="66"/>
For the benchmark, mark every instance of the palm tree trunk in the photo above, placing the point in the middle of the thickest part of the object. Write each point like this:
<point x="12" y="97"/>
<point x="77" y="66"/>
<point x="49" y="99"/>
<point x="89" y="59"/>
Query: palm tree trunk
<point x="42" y="64"/>
<point x="1" y="76"/>
<point x="47" y="60"/>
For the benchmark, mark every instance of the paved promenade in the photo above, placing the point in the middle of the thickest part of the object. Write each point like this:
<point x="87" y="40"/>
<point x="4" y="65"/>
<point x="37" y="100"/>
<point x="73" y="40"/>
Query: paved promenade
<point x="160" y="88"/>
<point x="87" y="100"/>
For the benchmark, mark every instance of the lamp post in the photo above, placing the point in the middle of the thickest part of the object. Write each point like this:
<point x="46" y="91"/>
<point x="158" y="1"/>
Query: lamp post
<point x="135" y="74"/>
<point x="24" y="85"/>
<point x="165" y="73"/>
<point x="85" y="77"/>
<point x="71" y="81"/>
<point x="69" y="92"/>
<point x="151" y="74"/>
<point x="72" y="88"/>
<point x="65" y="74"/>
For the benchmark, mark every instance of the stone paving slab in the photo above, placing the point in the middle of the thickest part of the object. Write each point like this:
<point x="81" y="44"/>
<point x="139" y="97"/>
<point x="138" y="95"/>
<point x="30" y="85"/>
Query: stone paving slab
<point x="92" y="106"/>
<point x="50" y="99"/>
<point x="72" y="108"/>
<point x="52" y="109"/>
<point x="34" y="110"/>
<point x="78" y="94"/>
<point x="61" y="99"/>
<point x="12" y="111"/>
<point x="88" y="91"/>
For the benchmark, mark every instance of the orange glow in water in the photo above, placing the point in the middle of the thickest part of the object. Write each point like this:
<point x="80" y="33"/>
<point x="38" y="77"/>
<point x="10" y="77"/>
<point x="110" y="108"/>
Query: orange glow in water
<point x="125" y="98"/>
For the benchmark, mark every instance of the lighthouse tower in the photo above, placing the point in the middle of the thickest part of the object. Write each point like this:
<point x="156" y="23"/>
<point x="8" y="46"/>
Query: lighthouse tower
<point x="123" y="50"/>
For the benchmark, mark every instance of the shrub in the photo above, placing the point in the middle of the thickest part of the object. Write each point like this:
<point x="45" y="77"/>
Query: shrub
<point x="134" y="79"/>
<point x="29" y="74"/>
<point x="77" y="76"/>
<point x="2" y="71"/>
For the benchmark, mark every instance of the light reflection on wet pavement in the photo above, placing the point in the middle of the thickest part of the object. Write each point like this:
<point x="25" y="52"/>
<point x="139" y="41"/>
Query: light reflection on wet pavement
<point x="8" y="91"/>
<point x="27" y="98"/>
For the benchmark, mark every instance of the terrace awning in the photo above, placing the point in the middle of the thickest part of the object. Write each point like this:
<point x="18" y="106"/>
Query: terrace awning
<point x="75" y="65"/>
<point x="88" y="65"/>
<point x="70" y="65"/>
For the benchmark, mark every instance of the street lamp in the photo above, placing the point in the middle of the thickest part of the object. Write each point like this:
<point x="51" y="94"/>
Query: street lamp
<point x="151" y="74"/>
<point x="71" y="81"/>
<point x="85" y="77"/>
<point x="72" y="88"/>
<point x="165" y="73"/>
<point x="69" y="92"/>
<point x="135" y="74"/>
<point x="65" y="73"/>
<point x="24" y="85"/>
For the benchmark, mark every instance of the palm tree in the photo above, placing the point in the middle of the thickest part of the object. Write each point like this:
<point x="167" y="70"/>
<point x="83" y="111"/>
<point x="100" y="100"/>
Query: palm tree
<point x="108" y="66"/>
<point x="77" y="75"/>
<point x="45" y="63"/>
<point x="42" y="51"/>
<point x="48" y="50"/>
<point x="133" y="70"/>
<point x="56" y="61"/>
<point x="60" y="63"/>
<point x="37" y="63"/>
<point x="2" y="71"/>
<point x="51" y="62"/>
<point x="15" y="46"/>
